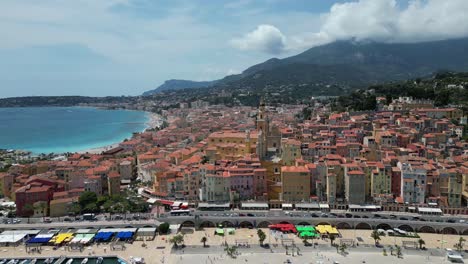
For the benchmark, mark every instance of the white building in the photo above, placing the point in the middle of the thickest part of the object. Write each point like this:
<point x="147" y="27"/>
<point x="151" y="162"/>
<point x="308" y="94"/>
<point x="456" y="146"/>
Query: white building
<point x="413" y="183"/>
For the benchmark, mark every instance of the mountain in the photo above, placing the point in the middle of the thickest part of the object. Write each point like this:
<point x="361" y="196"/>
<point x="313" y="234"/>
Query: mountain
<point x="353" y="64"/>
<point x="178" y="85"/>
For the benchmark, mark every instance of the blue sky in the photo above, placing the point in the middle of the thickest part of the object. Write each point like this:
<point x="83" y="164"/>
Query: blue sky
<point x="125" y="47"/>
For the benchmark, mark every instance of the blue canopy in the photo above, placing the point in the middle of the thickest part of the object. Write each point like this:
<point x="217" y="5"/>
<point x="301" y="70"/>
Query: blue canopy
<point x="125" y="235"/>
<point x="41" y="240"/>
<point x="104" y="236"/>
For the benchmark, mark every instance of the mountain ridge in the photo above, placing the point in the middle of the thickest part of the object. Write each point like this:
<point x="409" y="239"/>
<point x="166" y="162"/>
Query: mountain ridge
<point x="353" y="64"/>
<point x="176" y="84"/>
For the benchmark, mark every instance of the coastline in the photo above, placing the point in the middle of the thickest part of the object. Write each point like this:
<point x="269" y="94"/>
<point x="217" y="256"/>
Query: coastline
<point x="154" y="120"/>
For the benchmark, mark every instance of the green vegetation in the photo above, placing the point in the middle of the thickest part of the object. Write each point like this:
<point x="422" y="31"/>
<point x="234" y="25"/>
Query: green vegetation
<point x="203" y="240"/>
<point x="459" y="245"/>
<point x="391" y="249"/>
<point x="177" y="240"/>
<point x="343" y="249"/>
<point x="127" y="202"/>
<point x="28" y="210"/>
<point x="443" y="88"/>
<point x="163" y="228"/>
<point x="398" y="251"/>
<point x="231" y="251"/>
<point x="376" y="236"/>
<point x="261" y="236"/>
<point x="421" y="243"/>
<point x="332" y="239"/>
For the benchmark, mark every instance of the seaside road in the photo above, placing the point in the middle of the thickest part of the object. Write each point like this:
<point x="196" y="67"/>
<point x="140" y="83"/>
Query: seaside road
<point x="82" y="225"/>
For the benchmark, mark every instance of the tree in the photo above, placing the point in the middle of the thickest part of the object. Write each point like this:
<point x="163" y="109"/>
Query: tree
<point x="28" y="210"/>
<point x="203" y="240"/>
<point x="332" y="238"/>
<point x="205" y="159"/>
<point x="391" y="249"/>
<point x="343" y="249"/>
<point x="376" y="236"/>
<point x="460" y="244"/>
<point x="231" y="251"/>
<point x="91" y="208"/>
<point x="398" y="251"/>
<point x="421" y="243"/>
<point x="164" y="228"/>
<point x="158" y="204"/>
<point x="74" y="209"/>
<point x="261" y="236"/>
<point x="87" y="198"/>
<point x="177" y="239"/>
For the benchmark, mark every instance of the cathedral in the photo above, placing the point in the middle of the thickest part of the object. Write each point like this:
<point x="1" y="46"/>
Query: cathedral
<point x="269" y="136"/>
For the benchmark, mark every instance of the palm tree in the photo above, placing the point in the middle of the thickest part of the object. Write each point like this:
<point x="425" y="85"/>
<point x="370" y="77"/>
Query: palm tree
<point x="203" y="240"/>
<point x="332" y="238"/>
<point x="398" y="251"/>
<point x="460" y="244"/>
<point x="261" y="236"/>
<point x="391" y="249"/>
<point x="343" y="249"/>
<point x="157" y="204"/>
<point x="375" y="235"/>
<point x="177" y="239"/>
<point x="421" y="243"/>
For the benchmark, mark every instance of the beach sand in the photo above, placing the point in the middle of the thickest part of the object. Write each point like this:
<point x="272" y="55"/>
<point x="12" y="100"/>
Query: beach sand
<point x="155" y="120"/>
<point x="159" y="250"/>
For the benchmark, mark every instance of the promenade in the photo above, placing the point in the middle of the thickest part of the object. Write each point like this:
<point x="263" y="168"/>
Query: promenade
<point x="160" y="250"/>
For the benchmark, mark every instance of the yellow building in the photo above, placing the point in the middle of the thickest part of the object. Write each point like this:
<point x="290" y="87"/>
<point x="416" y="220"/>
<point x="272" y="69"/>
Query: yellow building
<point x="331" y="188"/>
<point x="290" y="151"/>
<point x="273" y="171"/>
<point x="295" y="183"/>
<point x="61" y="207"/>
<point x="113" y="181"/>
<point x="378" y="182"/>
<point x="231" y="145"/>
<point x="6" y="183"/>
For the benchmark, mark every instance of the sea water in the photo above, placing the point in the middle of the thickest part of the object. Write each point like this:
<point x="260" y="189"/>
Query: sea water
<point x="66" y="129"/>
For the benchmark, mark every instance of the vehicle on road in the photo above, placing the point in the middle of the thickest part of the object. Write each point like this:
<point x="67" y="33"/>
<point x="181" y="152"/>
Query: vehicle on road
<point x="180" y="212"/>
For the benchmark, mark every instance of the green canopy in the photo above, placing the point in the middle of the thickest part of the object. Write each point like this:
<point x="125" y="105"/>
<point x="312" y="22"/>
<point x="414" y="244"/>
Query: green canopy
<point x="308" y="234"/>
<point x="220" y="231"/>
<point x="300" y="228"/>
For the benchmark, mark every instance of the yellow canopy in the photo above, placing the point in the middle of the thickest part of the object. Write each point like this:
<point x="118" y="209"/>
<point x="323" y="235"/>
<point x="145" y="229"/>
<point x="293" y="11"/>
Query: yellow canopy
<point x="64" y="237"/>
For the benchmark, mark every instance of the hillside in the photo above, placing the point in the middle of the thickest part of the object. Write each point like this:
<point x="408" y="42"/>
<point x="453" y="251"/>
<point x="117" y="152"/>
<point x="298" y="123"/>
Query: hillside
<point x="351" y="64"/>
<point x="171" y="85"/>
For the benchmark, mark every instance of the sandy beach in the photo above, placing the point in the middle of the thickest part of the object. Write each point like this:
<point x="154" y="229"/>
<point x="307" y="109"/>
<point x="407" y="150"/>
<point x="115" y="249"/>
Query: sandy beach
<point x="154" y="120"/>
<point x="160" y="250"/>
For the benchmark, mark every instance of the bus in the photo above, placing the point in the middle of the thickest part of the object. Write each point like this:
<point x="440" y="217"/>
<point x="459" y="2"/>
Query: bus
<point x="180" y="212"/>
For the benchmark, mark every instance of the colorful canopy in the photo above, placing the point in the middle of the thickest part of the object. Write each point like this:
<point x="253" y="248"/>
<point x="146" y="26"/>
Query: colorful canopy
<point x="284" y="227"/>
<point x="103" y="236"/>
<point x="219" y="231"/>
<point x="63" y="237"/>
<point x="41" y="238"/>
<point x="326" y="229"/>
<point x="301" y="228"/>
<point x="125" y="235"/>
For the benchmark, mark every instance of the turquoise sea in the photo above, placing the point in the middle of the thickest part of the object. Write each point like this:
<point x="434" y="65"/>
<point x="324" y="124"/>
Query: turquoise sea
<point x="66" y="129"/>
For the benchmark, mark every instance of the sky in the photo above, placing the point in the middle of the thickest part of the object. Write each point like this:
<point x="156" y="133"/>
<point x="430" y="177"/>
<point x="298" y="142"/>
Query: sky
<point x="126" y="47"/>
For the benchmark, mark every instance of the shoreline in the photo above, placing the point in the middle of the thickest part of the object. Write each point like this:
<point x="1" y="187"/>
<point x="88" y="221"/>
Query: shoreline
<point x="160" y="250"/>
<point x="153" y="121"/>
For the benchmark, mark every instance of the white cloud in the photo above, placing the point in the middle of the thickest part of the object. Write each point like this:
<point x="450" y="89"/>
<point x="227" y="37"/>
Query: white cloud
<point x="265" y="38"/>
<point x="378" y="20"/>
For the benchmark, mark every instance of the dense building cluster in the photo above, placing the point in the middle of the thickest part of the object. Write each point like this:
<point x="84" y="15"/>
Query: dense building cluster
<point x="404" y="156"/>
